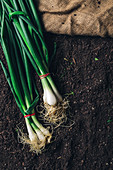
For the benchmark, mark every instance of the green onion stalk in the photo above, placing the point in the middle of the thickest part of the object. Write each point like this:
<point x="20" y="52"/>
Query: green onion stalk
<point x="19" y="79"/>
<point x="23" y="16"/>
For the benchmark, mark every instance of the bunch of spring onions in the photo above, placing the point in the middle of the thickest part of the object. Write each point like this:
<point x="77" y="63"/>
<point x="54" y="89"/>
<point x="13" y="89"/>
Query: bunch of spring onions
<point x="23" y="44"/>
<point x="25" y="21"/>
<point x="22" y="85"/>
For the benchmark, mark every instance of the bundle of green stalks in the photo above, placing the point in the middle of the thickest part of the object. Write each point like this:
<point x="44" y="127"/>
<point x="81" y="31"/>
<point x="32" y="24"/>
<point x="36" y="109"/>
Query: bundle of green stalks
<point x="24" y="46"/>
<point x="19" y="78"/>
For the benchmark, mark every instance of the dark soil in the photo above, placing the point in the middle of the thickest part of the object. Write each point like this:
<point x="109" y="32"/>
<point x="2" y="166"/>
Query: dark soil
<point x="82" y="70"/>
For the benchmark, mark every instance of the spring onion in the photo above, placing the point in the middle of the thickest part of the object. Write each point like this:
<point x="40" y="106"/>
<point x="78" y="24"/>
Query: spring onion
<point x="19" y="79"/>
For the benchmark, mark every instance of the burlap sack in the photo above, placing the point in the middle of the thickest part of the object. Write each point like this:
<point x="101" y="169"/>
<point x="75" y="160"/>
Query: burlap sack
<point x="78" y="17"/>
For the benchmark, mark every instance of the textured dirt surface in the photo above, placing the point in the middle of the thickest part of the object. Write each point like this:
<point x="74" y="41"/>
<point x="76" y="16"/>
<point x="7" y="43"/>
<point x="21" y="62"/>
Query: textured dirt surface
<point x="82" y="70"/>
